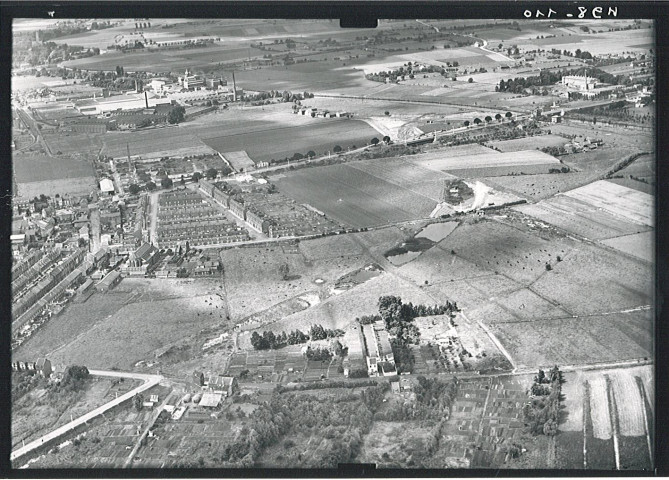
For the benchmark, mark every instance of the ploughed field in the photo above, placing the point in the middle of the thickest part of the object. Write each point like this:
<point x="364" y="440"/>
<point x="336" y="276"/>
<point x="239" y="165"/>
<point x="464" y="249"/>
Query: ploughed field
<point x="355" y="197"/>
<point x="277" y="142"/>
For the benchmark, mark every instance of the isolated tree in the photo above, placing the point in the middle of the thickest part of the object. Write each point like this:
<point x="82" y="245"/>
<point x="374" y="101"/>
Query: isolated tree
<point x="374" y="141"/>
<point x="119" y="70"/>
<point x="488" y="119"/>
<point x="176" y="115"/>
<point x="150" y="186"/>
<point x="386" y="139"/>
<point x="137" y="401"/>
<point x="166" y="182"/>
<point x="387" y="113"/>
<point x="471" y="80"/>
<point x="311" y="154"/>
<point x="212" y="173"/>
<point x="498" y="117"/>
<point x="182" y="180"/>
<point x="337" y="149"/>
<point x="283" y="270"/>
<point x="133" y="188"/>
<point x="508" y="114"/>
<point x="196" y="177"/>
<point x="477" y="120"/>
<point x="467" y="123"/>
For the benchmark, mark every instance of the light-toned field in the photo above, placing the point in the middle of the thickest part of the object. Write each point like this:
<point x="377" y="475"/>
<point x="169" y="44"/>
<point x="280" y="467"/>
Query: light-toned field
<point x="600" y="43"/>
<point x="640" y="245"/>
<point x="528" y="143"/>
<point x="253" y="282"/>
<point x="629" y="405"/>
<point x="445" y="161"/>
<point x="340" y="310"/>
<point x="240" y="161"/>
<point x="153" y="142"/>
<point x="128" y="324"/>
<point x="580" y="218"/>
<point x="615" y="282"/>
<point x="618" y="200"/>
<point x="74" y="186"/>
<point x="599" y="408"/>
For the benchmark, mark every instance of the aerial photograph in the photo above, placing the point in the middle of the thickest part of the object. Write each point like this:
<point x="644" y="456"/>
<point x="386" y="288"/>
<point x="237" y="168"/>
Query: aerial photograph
<point x="268" y="243"/>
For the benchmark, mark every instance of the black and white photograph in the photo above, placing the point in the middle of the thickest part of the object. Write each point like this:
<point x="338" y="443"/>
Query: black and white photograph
<point x="284" y="244"/>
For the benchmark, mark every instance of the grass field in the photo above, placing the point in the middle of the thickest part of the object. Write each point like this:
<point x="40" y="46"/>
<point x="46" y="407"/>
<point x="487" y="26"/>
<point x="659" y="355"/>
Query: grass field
<point x="640" y="245"/>
<point x="279" y="142"/>
<point x="529" y="143"/>
<point x="353" y="197"/>
<point x="541" y="185"/>
<point x="128" y="324"/>
<point x="74" y="186"/>
<point x="40" y="168"/>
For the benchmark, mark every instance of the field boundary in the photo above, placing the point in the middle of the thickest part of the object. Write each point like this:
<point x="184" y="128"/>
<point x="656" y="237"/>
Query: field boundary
<point x="613" y="413"/>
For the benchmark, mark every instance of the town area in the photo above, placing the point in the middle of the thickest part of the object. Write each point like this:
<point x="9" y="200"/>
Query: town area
<point x="282" y="243"/>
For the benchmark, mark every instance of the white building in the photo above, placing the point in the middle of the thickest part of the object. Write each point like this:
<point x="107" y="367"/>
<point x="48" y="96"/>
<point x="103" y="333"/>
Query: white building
<point x="580" y="82"/>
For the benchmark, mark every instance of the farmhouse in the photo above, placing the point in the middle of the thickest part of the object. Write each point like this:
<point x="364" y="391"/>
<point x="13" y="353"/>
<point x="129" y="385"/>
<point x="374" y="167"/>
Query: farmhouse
<point x="580" y="82"/>
<point x="222" y="385"/>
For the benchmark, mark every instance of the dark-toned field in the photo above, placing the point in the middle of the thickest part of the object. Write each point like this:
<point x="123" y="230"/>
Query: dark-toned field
<point x="354" y="197"/>
<point x="277" y="142"/>
<point x="37" y="168"/>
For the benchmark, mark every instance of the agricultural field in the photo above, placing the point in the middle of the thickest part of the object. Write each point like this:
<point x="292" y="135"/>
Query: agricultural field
<point x="635" y="206"/>
<point x="42" y="409"/>
<point x="353" y="197"/>
<point x="529" y="143"/>
<point x="154" y="143"/>
<point x="580" y="218"/>
<point x="74" y="144"/>
<point x="280" y="142"/>
<point x="42" y="168"/>
<point x="640" y="245"/>
<point x="490" y="164"/>
<point x="252" y="270"/>
<point x="540" y="186"/>
<point x="588" y="398"/>
<point x="130" y="323"/>
<point x="73" y="186"/>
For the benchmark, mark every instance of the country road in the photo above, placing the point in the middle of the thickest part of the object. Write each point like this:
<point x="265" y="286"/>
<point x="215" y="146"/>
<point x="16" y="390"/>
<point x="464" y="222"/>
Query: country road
<point x="149" y="381"/>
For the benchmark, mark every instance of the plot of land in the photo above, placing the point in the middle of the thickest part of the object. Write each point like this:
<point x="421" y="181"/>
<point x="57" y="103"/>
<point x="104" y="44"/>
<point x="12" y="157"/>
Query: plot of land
<point x="354" y="197"/>
<point x="599" y="408"/>
<point x="527" y="143"/>
<point x="578" y="217"/>
<point x="640" y="245"/>
<point x="73" y="186"/>
<point x="578" y="341"/>
<point x="487" y="164"/>
<point x="131" y="322"/>
<point x="618" y="200"/>
<point x="40" y="168"/>
<point x="537" y="186"/>
<point x="240" y="161"/>
<point x="154" y="143"/>
<point x="280" y="142"/>
<point x="629" y="405"/>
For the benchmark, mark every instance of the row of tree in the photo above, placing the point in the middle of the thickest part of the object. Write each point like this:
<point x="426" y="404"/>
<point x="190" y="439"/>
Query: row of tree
<point x="542" y="414"/>
<point x="269" y="340"/>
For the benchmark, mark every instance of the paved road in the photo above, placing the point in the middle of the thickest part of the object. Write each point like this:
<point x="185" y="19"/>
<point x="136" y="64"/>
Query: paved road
<point x="149" y="381"/>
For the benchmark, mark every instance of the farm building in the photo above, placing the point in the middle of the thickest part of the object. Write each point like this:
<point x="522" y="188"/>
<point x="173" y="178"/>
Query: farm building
<point x="109" y="282"/>
<point x="106" y="185"/>
<point x="223" y="385"/>
<point x="355" y="360"/>
<point x="43" y="367"/>
<point x="211" y="400"/>
<point x="580" y="82"/>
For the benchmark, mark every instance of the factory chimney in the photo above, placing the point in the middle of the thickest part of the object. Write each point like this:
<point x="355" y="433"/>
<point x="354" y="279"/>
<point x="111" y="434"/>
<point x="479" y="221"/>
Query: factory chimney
<point x="234" y="88"/>
<point x="146" y="99"/>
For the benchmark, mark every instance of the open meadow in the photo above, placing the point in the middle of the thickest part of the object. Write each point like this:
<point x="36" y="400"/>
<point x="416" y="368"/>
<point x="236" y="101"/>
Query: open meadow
<point x="132" y="322"/>
<point x="42" y="168"/>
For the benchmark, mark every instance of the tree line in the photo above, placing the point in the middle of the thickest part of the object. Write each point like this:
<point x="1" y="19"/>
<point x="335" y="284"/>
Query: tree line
<point x="269" y="340"/>
<point x="541" y="415"/>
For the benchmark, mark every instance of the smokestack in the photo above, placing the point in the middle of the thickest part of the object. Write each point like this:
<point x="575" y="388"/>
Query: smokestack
<point x="146" y="99"/>
<point x="234" y="88"/>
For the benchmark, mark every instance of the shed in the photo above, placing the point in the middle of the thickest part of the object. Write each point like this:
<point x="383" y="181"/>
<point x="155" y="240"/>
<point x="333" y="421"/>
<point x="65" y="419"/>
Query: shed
<point x="211" y="400"/>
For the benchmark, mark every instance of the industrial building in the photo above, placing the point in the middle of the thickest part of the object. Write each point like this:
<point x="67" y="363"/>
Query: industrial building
<point x="110" y="281"/>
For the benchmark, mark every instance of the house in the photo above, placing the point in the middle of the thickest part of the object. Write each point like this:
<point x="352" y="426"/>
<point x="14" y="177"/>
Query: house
<point x="142" y="259"/>
<point x="379" y="354"/>
<point x="153" y="398"/>
<point x="43" y="367"/>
